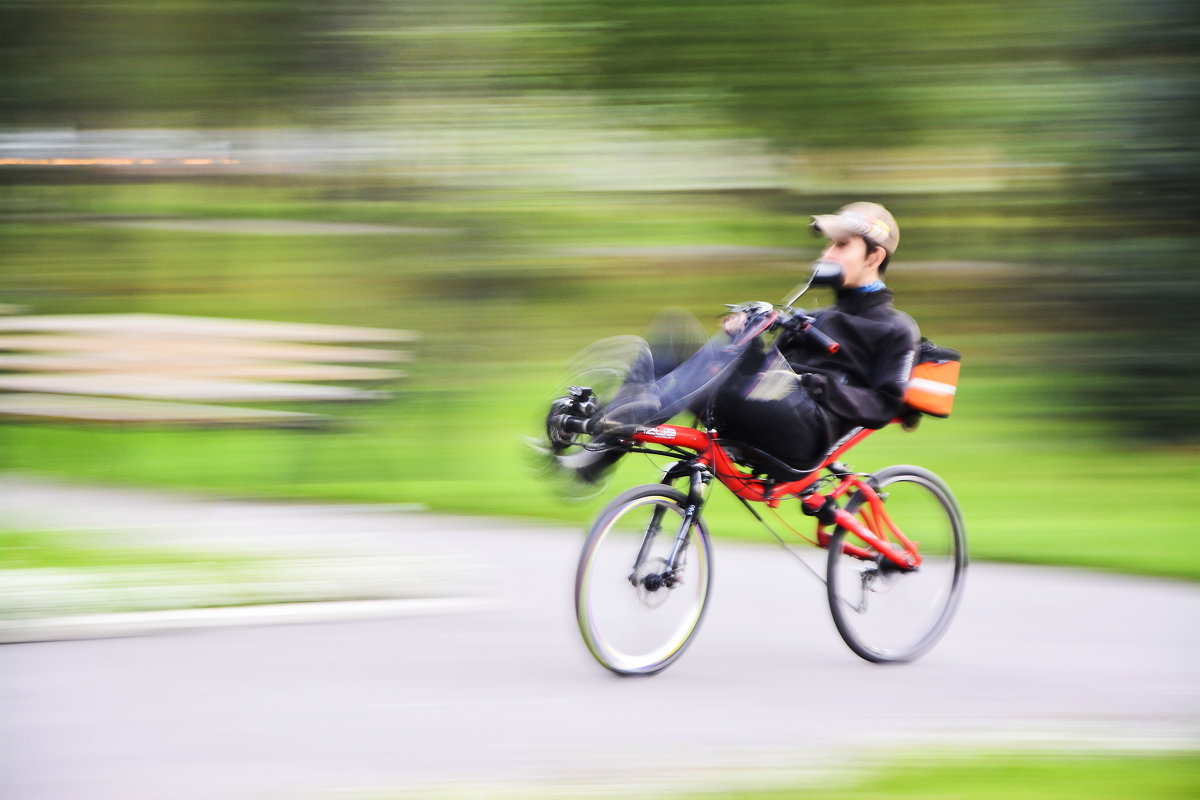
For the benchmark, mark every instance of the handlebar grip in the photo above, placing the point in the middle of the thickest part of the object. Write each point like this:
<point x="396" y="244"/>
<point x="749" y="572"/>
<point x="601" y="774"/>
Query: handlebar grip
<point x="827" y="344"/>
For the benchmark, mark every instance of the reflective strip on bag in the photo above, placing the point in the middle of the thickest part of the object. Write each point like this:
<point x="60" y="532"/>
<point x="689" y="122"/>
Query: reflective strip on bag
<point x="932" y="387"/>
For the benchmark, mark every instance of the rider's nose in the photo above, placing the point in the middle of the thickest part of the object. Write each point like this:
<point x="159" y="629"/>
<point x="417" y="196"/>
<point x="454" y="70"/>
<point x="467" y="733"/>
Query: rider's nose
<point x="828" y="254"/>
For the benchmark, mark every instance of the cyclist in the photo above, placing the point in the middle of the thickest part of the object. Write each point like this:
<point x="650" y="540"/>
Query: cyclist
<point x="794" y="400"/>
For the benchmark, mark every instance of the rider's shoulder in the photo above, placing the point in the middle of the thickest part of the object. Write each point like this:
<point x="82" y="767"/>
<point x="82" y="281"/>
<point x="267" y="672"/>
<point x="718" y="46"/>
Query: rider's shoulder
<point x="907" y="324"/>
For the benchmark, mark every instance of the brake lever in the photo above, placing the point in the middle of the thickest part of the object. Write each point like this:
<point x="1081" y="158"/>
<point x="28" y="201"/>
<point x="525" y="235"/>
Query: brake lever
<point x="760" y="317"/>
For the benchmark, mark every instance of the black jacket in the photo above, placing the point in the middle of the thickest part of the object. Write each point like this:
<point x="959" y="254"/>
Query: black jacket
<point x="863" y="383"/>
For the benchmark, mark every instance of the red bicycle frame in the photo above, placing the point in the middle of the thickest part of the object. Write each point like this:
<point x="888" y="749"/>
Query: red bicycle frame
<point x="872" y="525"/>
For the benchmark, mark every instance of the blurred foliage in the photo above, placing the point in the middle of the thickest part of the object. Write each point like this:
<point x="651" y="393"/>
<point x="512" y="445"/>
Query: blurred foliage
<point x="1097" y="98"/>
<point x="1108" y="89"/>
<point x="505" y="286"/>
<point x="177" y="63"/>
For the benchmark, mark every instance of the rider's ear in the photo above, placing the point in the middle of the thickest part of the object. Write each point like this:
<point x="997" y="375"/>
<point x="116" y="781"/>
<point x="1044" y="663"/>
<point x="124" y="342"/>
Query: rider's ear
<point x="875" y="255"/>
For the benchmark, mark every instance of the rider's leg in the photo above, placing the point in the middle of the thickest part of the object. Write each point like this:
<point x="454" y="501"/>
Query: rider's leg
<point x="644" y="399"/>
<point x="770" y="410"/>
<point x="647" y="399"/>
<point x="674" y="336"/>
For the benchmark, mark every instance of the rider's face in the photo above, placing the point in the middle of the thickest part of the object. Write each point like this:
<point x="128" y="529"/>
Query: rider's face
<point x="859" y="266"/>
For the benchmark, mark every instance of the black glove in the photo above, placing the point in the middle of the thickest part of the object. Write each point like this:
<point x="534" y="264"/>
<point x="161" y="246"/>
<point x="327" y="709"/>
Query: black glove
<point x="814" y="383"/>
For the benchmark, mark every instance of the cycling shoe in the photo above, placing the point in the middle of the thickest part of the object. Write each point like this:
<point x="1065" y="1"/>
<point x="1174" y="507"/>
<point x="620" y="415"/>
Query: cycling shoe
<point x="570" y="417"/>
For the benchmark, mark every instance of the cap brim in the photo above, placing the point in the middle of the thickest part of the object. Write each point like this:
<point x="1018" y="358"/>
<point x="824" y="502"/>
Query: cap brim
<point x="836" y="228"/>
<point x="832" y="226"/>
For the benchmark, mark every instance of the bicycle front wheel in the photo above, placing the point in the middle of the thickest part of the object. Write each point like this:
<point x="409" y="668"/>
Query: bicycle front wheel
<point x="638" y="606"/>
<point x="884" y="613"/>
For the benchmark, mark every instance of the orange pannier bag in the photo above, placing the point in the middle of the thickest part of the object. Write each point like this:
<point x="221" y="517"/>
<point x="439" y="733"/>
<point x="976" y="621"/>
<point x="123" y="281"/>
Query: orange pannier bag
<point x="934" y="380"/>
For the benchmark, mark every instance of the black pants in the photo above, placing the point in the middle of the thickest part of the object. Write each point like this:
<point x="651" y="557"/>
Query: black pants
<point x="748" y="395"/>
<point x="763" y="405"/>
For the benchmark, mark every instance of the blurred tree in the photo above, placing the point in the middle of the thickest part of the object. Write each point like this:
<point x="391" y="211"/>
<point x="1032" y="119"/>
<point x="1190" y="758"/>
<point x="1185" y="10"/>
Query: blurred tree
<point x="872" y="74"/>
<point x="166" y="63"/>
<point x="1103" y="91"/>
<point x="1145" y="177"/>
<point x="1106" y="89"/>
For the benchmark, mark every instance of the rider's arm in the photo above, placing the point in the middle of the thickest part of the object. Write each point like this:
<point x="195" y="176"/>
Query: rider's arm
<point x="878" y="403"/>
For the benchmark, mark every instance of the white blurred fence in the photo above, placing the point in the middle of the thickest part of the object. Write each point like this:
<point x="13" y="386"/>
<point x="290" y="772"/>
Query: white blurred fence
<point x="163" y="369"/>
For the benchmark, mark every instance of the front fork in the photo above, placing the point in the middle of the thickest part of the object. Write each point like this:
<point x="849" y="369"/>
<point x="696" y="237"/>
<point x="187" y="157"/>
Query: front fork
<point x="698" y="477"/>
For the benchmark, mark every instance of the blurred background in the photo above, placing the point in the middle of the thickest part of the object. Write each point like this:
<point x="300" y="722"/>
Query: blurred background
<point x="505" y="182"/>
<point x="398" y="220"/>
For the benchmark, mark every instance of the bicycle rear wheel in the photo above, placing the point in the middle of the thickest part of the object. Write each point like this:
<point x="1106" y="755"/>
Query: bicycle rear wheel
<point x="635" y="613"/>
<point x="887" y="614"/>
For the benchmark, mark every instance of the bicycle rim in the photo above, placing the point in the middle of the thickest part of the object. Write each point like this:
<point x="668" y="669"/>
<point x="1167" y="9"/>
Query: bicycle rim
<point x="629" y="628"/>
<point x="886" y="615"/>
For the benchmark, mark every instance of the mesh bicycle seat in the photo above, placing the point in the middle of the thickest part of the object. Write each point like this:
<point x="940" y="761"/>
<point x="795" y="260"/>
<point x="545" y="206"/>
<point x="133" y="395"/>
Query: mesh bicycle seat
<point x="771" y="466"/>
<point x="763" y="463"/>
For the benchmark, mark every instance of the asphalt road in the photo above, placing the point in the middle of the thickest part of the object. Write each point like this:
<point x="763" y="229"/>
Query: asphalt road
<point x="505" y="696"/>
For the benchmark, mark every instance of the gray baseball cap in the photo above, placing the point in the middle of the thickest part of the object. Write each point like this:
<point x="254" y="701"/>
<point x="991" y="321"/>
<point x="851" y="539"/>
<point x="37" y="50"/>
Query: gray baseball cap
<point x="868" y="220"/>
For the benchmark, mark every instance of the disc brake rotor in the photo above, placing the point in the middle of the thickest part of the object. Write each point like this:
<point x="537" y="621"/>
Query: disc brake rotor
<point x="652" y="587"/>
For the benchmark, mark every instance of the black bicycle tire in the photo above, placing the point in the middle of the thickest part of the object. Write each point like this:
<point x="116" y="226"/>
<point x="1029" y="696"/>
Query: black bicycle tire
<point x="945" y="496"/>
<point x="595" y="536"/>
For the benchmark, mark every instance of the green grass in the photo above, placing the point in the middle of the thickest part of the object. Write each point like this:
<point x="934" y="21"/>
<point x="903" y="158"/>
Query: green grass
<point x="20" y="549"/>
<point x="51" y="573"/>
<point x="1006" y="775"/>
<point x="1051" y="775"/>
<point x="1032" y="491"/>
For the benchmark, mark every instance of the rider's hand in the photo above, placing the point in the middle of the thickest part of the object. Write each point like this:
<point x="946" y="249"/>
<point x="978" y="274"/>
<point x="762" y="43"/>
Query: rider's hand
<point x="814" y="383"/>
<point x="734" y="322"/>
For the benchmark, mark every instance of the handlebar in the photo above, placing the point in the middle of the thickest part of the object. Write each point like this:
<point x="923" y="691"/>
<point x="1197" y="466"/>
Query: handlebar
<point x="802" y="324"/>
<point x="761" y="317"/>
